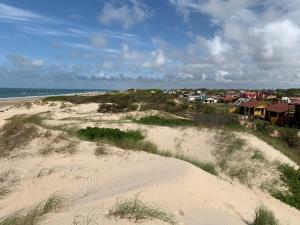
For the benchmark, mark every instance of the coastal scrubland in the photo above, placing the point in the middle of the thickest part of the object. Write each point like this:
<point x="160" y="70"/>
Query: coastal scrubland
<point x="149" y="144"/>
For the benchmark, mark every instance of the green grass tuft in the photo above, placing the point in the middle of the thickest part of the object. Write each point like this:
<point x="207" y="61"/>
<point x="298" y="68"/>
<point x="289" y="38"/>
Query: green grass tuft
<point x="161" y="121"/>
<point x="35" y="214"/>
<point x="206" y="166"/>
<point x="291" y="178"/>
<point x="264" y="216"/>
<point x="131" y="139"/>
<point x="95" y="133"/>
<point x="138" y="211"/>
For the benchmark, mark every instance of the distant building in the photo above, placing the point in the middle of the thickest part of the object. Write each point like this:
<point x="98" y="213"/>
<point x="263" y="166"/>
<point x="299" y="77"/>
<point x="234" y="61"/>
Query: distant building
<point x="279" y="113"/>
<point x="253" y="108"/>
<point x="265" y="95"/>
<point x="248" y="94"/>
<point x="297" y="115"/>
<point x="210" y="100"/>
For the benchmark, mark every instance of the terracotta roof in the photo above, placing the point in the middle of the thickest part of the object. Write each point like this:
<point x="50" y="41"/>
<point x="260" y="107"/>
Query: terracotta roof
<point x="251" y="104"/>
<point x="280" y="107"/>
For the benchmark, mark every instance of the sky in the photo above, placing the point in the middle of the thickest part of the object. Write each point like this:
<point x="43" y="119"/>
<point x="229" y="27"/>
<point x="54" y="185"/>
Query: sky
<point x="119" y="44"/>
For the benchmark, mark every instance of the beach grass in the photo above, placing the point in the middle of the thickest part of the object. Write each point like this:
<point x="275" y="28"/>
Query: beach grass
<point x="35" y="214"/>
<point x="264" y="216"/>
<point x="16" y="133"/>
<point x="136" y="210"/>
<point x="291" y="178"/>
<point x="162" y="121"/>
<point x="130" y="139"/>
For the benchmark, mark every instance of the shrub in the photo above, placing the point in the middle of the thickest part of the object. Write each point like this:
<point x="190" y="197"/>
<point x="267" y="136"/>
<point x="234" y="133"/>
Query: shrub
<point x="116" y="107"/>
<point x="157" y="120"/>
<point x="136" y="210"/>
<point x="262" y="127"/>
<point x="291" y="178"/>
<point x="289" y="136"/>
<point x="205" y="108"/>
<point x="264" y="216"/>
<point x="94" y="133"/>
<point x="132" y="139"/>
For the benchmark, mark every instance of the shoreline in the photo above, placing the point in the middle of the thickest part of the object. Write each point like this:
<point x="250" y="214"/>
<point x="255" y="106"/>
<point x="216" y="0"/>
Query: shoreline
<point x="11" y="101"/>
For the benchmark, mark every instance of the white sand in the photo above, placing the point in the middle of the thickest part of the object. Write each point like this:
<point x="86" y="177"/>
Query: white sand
<point x="92" y="184"/>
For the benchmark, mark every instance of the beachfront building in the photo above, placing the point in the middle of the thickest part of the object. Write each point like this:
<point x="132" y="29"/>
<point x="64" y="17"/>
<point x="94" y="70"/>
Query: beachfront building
<point x="253" y="108"/>
<point x="279" y="113"/>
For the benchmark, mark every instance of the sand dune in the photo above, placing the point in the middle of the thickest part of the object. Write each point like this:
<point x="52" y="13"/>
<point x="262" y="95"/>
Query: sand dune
<point x="92" y="184"/>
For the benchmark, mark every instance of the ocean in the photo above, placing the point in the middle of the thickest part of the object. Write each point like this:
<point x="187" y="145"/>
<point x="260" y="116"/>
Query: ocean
<point x="33" y="92"/>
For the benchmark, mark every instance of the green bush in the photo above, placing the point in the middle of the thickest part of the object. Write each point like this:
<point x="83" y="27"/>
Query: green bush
<point x="262" y="127"/>
<point x="94" y="133"/>
<point x="131" y="139"/>
<point x="289" y="136"/>
<point x="264" y="216"/>
<point x="291" y="178"/>
<point x="157" y="120"/>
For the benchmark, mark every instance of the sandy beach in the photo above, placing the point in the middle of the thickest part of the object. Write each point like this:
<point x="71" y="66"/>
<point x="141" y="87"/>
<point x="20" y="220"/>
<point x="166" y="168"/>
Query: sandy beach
<point x="92" y="184"/>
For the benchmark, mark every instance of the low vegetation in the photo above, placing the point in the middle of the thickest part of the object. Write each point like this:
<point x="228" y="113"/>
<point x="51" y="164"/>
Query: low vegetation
<point x="227" y="143"/>
<point x="283" y="139"/>
<point x="131" y="139"/>
<point x="206" y="166"/>
<point x="8" y="179"/>
<point x="60" y="143"/>
<point x="162" y="121"/>
<point x="16" y="133"/>
<point x="136" y="210"/>
<point x="100" y="149"/>
<point x="264" y="216"/>
<point x="35" y="214"/>
<point x="84" y="220"/>
<point x="291" y="178"/>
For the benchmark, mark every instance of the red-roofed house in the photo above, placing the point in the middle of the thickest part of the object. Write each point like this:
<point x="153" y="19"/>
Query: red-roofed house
<point x="277" y="113"/>
<point x="253" y="108"/>
<point x="249" y="94"/>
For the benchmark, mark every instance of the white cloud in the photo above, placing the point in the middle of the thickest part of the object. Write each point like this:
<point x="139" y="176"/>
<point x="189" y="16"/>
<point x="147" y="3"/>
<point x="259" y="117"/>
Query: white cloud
<point x="279" y="41"/>
<point x="25" y="63"/>
<point x="10" y="13"/>
<point x="98" y="40"/>
<point x="125" y="13"/>
<point x="158" y="60"/>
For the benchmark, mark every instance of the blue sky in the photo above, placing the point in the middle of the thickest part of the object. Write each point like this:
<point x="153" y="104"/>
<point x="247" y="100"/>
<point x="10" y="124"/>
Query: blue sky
<point x="150" y="43"/>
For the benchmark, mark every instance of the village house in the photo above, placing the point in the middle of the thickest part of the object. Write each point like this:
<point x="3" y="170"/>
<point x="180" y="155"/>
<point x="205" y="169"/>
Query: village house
<point x="265" y="95"/>
<point x="248" y="94"/>
<point x="297" y="115"/>
<point x="229" y="98"/>
<point x="210" y="100"/>
<point x="253" y="108"/>
<point x="279" y="113"/>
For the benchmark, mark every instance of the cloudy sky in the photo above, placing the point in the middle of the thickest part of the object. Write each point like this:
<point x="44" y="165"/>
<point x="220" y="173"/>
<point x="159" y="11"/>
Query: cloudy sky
<point x="150" y="43"/>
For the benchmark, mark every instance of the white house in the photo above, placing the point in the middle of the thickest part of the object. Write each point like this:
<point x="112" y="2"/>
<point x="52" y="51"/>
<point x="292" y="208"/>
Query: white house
<point x="210" y="100"/>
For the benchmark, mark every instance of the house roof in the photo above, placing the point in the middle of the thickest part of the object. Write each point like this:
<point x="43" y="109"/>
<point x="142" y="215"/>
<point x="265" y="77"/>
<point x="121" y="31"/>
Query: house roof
<point x="280" y="107"/>
<point x="230" y="97"/>
<point x="252" y="104"/>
